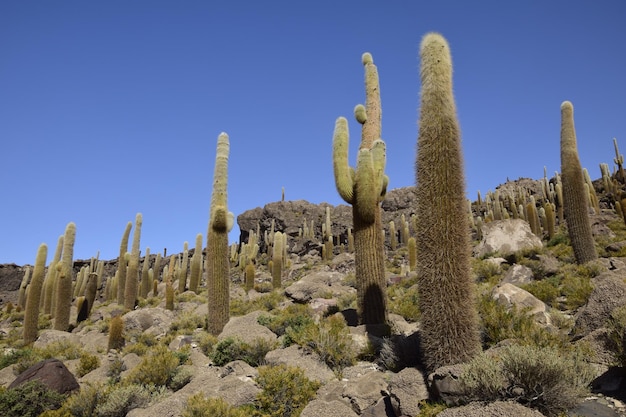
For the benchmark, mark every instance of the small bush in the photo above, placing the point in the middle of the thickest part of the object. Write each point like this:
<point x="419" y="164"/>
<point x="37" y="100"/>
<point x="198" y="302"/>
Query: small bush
<point x="206" y="342"/>
<point x="331" y="340"/>
<point x="116" y="367"/>
<point x="199" y="406"/>
<point x="187" y="322"/>
<point x="543" y="378"/>
<point x="28" y="400"/>
<point x="617" y="333"/>
<point x="87" y="364"/>
<point x="547" y="290"/>
<point x="285" y="391"/>
<point x="120" y="399"/>
<point x="158" y="368"/>
<point x="291" y="320"/>
<point x="404" y="301"/>
<point x="9" y="357"/>
<point x="231" y="349"/>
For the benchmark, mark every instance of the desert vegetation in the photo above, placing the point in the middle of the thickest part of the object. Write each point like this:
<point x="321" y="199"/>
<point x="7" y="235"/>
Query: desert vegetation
<point x="306" y="316"/>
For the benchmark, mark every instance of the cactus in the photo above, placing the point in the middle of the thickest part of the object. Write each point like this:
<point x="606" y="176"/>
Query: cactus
<point x="619" y="161"/>
<point x="116" y="333"/>
<point x="63" y="288"/>
<point x="21" y="294"/>
<point x="249" y="274"/>
<point x="146" y="282"/>
<point x="449" y="318"/>
<point x="132" y="273"/>
<point x="169" y="286"/>
<point x="574" y="195"/>
<point x="90" y="290"/>
<point x="220" y="223"/>
<point x="412" y="248"/>
<point x="277" y="260"/>
<point x="182" y="272"/>
<point x="31" y="313"/>
<point x="121" y="264"/>
<point x="50" y="281"/>
<point x="196" y="265"/>
<point x="364" y="187"/>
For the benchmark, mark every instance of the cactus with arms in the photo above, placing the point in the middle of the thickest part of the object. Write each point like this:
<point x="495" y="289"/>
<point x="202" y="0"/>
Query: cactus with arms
<point x="220" y="223"/>
<point x="449" y="332"/>
<point x="364" y="187"/>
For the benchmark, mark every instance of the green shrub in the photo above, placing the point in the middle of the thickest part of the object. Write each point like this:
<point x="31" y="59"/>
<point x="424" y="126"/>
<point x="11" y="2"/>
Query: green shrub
<point x="158" y="367"/>
<point x="11" y="356"/>
<point x="199" y="406"/>
<point x="87" y="364"/>
<point x="291" y="320"/>
<point x="120" y="399"/>
<point x="547" y="290"/>
<point x="499" y="323"/>
<point x="486" y="270"/>
<point x="285" y="391"/>
<point x="232" y="349"/>
<point x="206" y="341"/>
<point x="543" y="378"/>
<point x="331" y="340"/>
<point x="404" y="301"/>
<point x="577" y="288"/>
<point x="617" y="333"/>
<point x="266" y="302"/>
<point x="430" y="409"/>
<point x="186" y="322"/>
<point x="28" y="400"/>
<point x="116" y="367"/>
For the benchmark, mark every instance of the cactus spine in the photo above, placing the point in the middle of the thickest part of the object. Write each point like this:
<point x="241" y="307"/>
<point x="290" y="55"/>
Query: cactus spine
<point x="574" y="194"/>
<point x="220" y="223"/>
<point x="364" y="187"/>
<point x="449" y="332"/>
<point x="31" y="314"/>
<point x="64" y="281"/>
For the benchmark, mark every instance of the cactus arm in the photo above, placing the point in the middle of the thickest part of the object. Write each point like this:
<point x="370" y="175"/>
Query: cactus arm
<point x="344" y="173"/>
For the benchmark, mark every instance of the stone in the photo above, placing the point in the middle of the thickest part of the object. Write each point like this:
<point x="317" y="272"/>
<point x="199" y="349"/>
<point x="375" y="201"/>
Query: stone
<point x="52" y="373"/>
<point x="247" y="329"/>
<point x="518" y="275"/>
<point x="609" y="292"/>
<point x="309" y="362"/>
<point x="506" y="237"/>
<point x="317" y="408"/>
<point x="494" y="409"/>
<point x="409" y="388"/>
<point x="510" y="295"/>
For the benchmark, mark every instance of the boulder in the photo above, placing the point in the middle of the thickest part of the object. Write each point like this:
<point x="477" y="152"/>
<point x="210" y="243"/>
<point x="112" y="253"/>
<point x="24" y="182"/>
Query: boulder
<point x="408" y="387"/>
<point x="155" y="321"/>
<point x="506" y="237"/>
<point x="319" y="284"/>
<point x="518" y="275"/>
<point x="609" y="292"/>
<point x="317" y="408"/>
<point x="52" y="373"/>
<point x="247" y="329"/>
<point x="510" y="295"/>
<point x="494" y="409"/>
<point x="309" y="362"/>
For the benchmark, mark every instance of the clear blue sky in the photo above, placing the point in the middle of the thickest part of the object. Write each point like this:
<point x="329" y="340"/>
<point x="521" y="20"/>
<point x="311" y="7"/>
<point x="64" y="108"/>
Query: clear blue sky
<point x="113" y="108"/>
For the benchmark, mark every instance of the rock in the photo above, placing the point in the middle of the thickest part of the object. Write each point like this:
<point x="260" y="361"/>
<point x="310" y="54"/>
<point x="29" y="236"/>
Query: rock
<point x="494" y="409"/>
<point x="445" y="385"/>
<point x="309" y="362"/>
<point x="506" y="237"/>
<point x="609" y="292"/>
<point x="365" y="390"/>
<point x="408" y="387"/>
<point x="52" y="373"/>
<point x="318" y="408"/>
<point x="156" y="321"/>
<point x="48" y="336"/>
<point x="385" y="407"/>
<point x="319" y="284"/>
<point x="510" y="295"/>
<point x="247" y="329"/>
<point x="518" y="275"/>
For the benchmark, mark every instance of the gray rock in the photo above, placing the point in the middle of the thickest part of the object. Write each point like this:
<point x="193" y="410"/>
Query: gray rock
<point x="409" y="388"/>
<point x="247" y="329"/>
<point x="318" y="408"/>
<point x="318" y="285"/>
<point x="506" y="237"/>
<point x="52" y="373"/>
<point x="518" y="275"/>
<point x="495" y="409"/>
<point x="309" y="362"/>
<point x="509" y="295"/>
<point x="609" y="292"/>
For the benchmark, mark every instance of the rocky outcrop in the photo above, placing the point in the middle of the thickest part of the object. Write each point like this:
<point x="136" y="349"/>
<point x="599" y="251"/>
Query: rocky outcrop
<point x="505" y="237"/>
<point x="50" y="372"/>
<point x="289" y="216"/>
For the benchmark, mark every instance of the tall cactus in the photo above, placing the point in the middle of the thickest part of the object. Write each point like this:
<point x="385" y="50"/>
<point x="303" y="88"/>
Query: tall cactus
<point x="132" y="273"/>
<point x="196" y="265"/>
<point x="220" y="223"/>
<point x="364" y="187"/>
<point x="575" y="198"/>
<point x="449" y="320"/>
<point x="31" y="314"/>
<point x="63" y="288"/>
<point x="121" y="264"/>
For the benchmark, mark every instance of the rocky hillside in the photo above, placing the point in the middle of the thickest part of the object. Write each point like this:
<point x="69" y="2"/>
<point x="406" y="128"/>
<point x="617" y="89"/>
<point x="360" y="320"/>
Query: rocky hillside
<point x="538" y="310"/>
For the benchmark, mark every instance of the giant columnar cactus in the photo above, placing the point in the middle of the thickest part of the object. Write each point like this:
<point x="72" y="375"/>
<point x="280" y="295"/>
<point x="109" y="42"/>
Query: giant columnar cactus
<point x="364" y="187"/>
<point x="146" y="282"/>
<point x="132" y="273"/>
<point x="449" y="321"/>
<point x="50" y="281"/>
<point x="575" y="199"/>
<point x="277" y="260"/>
<point x="63" y="288"/>
<point x="196" y="265"/>
<point x="220" y="223"/>
<point x="121" y="264"/>
<point x="31" y="314"/>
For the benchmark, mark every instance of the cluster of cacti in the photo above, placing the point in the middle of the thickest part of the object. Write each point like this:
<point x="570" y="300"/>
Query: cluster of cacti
<point x="220" y="223"/>
<point x="364" y="187"/>
<point x="575" y="199"/>
<point x="449" y="319"/>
